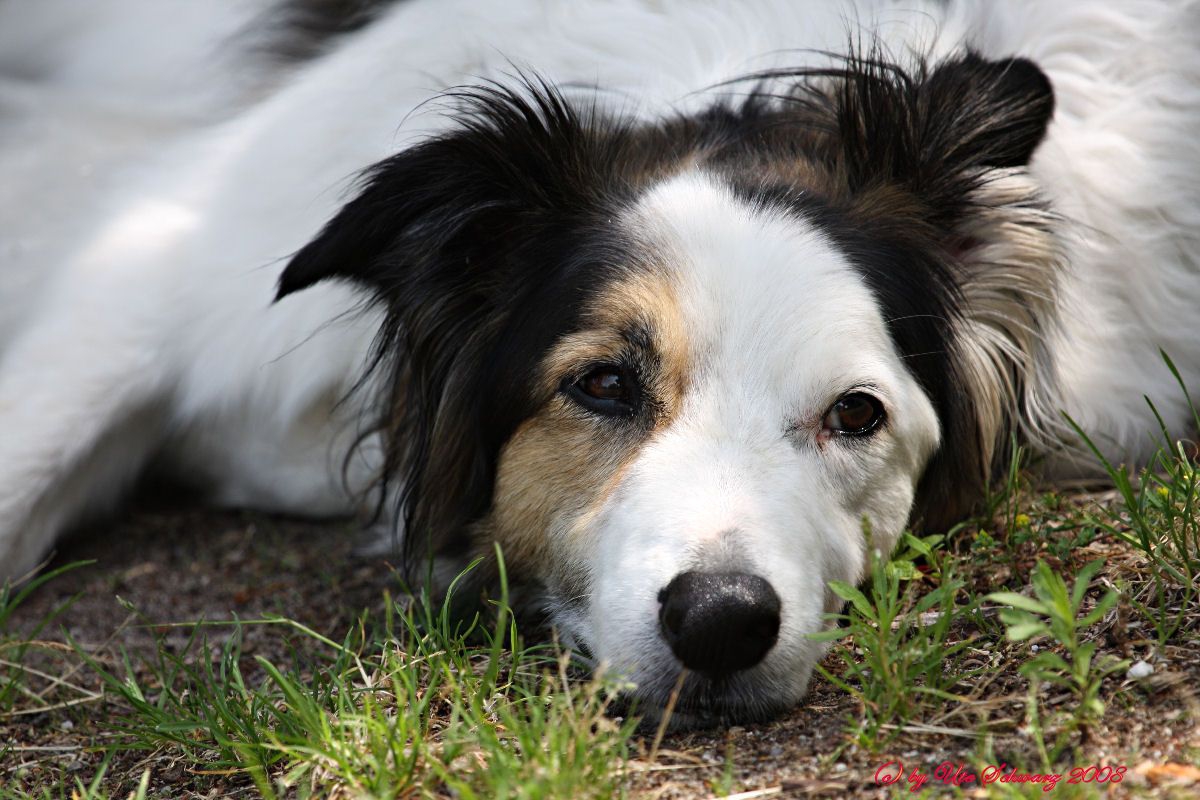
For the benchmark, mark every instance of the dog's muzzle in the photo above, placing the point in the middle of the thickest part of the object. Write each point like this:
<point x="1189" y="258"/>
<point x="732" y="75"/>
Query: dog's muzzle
<point x="718" y="623"/>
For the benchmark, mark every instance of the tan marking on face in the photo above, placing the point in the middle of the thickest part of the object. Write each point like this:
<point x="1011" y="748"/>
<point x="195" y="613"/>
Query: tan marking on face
<point x="561" y="465"/>
<point x="645" y="299"/>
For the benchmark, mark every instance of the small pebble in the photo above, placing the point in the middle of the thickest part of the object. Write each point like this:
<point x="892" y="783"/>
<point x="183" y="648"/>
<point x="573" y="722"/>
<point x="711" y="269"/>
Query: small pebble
<point x="67" y="725"/>
<point x="1139" y="670"/>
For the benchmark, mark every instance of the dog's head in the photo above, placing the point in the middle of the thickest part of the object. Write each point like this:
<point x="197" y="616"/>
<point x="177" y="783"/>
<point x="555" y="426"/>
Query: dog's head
<point x="676" y="369"/>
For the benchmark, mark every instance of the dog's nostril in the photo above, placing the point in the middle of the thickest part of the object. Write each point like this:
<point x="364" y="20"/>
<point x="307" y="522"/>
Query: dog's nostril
<point x="719" y="622"/>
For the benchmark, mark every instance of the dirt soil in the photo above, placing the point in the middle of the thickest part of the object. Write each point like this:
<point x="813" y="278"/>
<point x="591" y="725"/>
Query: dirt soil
<point x="183" y="564"/>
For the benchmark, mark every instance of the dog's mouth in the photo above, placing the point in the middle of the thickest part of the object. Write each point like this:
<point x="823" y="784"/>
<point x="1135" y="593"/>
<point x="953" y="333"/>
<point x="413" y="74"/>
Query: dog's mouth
<point x="694" y="701"/>
<point x="686" y="700"/>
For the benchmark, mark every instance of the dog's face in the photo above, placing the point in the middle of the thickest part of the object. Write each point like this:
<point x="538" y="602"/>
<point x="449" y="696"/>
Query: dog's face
<point x="729" y="413"/>
<point x="677" y="371"/>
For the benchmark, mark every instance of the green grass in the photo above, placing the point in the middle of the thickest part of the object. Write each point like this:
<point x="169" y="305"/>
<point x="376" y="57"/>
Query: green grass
<point x="14" y="673"/>
<point x="1160" y="516"/>
<point x="413" y="705"/>
<point x="417" y="706"/>
<point x="77" y="789"/>
<point x="899" y="643"/>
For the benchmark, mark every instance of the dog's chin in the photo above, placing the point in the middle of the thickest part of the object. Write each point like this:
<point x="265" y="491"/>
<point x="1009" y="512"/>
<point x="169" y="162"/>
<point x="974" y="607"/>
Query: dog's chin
<point x="701" y="702"/>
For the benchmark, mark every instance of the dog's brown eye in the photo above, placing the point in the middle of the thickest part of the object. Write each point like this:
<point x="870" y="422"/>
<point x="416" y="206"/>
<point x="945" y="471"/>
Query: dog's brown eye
<point x="607" y="389"/>
<point x="603" y="385"/>
<point x="856" y="414"/>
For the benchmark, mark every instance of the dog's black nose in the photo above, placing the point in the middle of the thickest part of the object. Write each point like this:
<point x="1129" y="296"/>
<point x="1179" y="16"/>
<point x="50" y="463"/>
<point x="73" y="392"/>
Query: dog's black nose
<point x="719" y="622"/>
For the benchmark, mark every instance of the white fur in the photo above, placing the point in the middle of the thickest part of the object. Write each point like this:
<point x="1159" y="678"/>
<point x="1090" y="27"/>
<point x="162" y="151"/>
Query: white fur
<point x="147" y="201"/>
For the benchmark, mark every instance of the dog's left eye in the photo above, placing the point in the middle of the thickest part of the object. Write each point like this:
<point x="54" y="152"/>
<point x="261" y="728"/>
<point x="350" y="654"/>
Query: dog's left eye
<point x="607" y="389"/>
<point x="854" y="414"/>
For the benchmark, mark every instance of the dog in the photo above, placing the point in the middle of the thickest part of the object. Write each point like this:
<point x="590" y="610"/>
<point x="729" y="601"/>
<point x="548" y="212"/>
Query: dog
<point x="671" y="301"/>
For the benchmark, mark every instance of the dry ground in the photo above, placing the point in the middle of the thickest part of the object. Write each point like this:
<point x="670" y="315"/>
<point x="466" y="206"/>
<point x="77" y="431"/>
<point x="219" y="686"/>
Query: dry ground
<point x="177" y="564"/>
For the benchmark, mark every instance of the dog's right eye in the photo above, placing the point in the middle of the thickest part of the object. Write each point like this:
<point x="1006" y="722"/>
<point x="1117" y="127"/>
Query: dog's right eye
<point x="605" y="389"/>
<point x="855" y="414"/>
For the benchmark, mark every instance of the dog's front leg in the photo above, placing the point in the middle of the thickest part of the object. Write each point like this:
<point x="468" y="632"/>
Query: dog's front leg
<point x="83" y="403"/>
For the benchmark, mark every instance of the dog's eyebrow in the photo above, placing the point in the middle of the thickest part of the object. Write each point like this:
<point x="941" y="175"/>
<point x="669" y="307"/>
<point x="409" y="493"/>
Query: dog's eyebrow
<point x="640" y="336"/>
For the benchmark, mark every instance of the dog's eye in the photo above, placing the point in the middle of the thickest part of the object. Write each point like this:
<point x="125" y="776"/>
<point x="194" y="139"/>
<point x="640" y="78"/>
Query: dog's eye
<point x="606" y="389"/>
<point x="855" y="414"/>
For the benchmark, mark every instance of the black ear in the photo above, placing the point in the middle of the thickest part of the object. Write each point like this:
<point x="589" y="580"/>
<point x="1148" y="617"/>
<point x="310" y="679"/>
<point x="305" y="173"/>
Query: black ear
<point x="987" y="119"/>
<point x="408" y="208"/>
<point x="456" y="240"/>
<point x="351" y="243"/>
<point x="1000" y="109"/>
<point x="935" y="130"/>
<point x="511" y="155"/>
<point x="415" y="238"/>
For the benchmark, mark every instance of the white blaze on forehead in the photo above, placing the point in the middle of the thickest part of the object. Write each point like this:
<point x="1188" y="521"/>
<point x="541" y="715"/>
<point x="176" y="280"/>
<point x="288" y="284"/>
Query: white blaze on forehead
<point x="776" y="314"/>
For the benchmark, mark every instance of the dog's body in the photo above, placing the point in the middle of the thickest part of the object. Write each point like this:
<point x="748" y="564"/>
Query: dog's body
<point x="665" y="344"/>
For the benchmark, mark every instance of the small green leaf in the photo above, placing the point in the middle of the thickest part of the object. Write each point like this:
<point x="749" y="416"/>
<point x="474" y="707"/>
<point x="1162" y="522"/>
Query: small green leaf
<point x="937" y="597"/>
<point x="1050" y="660"/>
<point x="1020" y="631"/>
<point x="1104" y="605"/>
<point x="1044" y="673"/>
<point x="1083" y="580"/>
<point x="904" y="570"/>
<point x="919" y="545"/>
<point x="1019" y="601"/>
<point x="853" y="596"/>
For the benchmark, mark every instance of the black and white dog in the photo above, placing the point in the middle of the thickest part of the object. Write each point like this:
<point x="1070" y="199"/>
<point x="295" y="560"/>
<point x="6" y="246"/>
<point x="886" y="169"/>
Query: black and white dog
<point x="665" y="297"/>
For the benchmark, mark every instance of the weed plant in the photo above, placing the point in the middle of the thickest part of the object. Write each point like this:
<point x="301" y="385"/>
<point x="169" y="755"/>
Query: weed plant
<point x="1056" y="612"/>
<point x="896" y="650"/>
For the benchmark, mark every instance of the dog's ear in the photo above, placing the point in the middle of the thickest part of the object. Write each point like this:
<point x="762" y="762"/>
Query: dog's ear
<point x="998" y="110"/>
<point x="512" y="154"/>
<point x="935" y="131"/>
<point x="414" y="239"/>
<point x="961" y="249"/>
<point x="456" y="239"/>
<point x="393" y="237"/>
